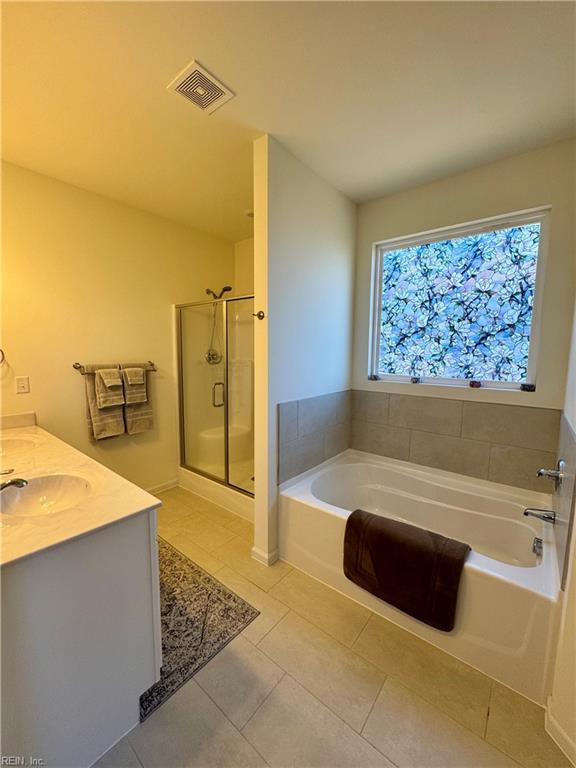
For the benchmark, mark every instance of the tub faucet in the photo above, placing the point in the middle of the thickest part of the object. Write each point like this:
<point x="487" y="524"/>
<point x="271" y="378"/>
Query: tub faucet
<point x="547" y="515"/>
<point x="554" y="474"/>
<point x="17" y="482"/>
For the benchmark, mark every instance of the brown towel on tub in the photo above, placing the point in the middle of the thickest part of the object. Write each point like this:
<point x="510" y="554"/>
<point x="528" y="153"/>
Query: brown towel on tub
<point x="413" y="569"/>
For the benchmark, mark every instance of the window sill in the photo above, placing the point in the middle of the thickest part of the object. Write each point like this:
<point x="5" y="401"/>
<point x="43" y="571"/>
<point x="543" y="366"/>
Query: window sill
<point x="454" y="384"/>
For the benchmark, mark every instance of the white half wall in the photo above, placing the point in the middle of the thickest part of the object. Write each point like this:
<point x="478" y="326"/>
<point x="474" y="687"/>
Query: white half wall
<point x="92" y="280"/>
<point x="542" y="177"/>
<point x="570" y="401"/>
<point x="304" y="234"/>
<point x="244" y="267"/>
<point x="561" y="710"/>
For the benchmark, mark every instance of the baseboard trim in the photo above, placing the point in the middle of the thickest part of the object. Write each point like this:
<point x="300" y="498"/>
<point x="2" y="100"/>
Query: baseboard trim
<point x="232" y="500"/>
<point x="163" y="486"/>
<point x="559" y="735"/>
<point x="264" y="557"/>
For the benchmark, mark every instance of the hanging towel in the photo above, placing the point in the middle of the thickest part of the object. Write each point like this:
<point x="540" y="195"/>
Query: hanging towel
<point x="106" y="422"/>
<point x="109" y="390"/>
<point x="135" y="384"/>
<point x="137" y="410"/>
<point x="413" y="569"/>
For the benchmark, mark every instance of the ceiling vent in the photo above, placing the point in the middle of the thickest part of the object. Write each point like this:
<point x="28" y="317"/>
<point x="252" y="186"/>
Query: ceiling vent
<point x="201" y="88"/>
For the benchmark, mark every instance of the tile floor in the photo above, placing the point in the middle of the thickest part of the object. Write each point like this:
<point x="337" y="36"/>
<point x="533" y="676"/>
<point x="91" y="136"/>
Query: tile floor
<point x="317" y="680"/>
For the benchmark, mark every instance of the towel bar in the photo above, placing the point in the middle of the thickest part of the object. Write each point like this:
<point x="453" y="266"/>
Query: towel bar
<point x="80" y="367"/>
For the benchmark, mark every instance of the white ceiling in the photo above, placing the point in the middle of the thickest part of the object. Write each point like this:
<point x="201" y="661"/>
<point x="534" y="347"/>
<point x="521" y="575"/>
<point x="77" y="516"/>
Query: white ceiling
<point x="374" y="96"/>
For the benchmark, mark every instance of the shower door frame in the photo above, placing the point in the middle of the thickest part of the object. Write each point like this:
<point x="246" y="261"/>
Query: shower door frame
<point x="179" y="307"/>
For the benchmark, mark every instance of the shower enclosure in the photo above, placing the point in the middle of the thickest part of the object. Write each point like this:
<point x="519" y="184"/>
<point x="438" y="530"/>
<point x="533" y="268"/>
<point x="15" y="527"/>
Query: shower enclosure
<point x="216" y="383"/>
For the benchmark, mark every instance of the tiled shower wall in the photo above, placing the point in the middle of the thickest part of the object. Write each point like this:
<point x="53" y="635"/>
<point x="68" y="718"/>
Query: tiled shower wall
<point x="504" y="443"/>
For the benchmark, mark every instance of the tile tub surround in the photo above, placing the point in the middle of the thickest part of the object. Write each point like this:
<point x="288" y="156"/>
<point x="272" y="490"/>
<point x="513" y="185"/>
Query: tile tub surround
<point x="503" y="443"/>
<point x="311" y="431"/>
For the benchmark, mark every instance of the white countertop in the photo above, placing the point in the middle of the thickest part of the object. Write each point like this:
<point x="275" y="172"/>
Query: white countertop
<point x="111" y="497"/>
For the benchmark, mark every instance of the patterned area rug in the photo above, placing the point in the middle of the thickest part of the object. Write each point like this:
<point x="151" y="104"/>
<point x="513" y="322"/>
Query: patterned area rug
<point x="199" y="617"/>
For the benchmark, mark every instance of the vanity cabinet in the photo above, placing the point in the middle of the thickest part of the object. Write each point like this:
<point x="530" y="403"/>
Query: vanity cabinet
<point x="81" y="641"/>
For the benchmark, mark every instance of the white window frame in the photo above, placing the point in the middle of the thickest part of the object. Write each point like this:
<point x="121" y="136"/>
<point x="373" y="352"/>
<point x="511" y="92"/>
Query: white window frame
<point x="494" y="223"/>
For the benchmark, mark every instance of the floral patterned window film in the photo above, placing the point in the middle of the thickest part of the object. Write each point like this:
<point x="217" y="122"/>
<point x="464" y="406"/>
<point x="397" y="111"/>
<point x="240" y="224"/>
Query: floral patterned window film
<point x="460" y="308"/>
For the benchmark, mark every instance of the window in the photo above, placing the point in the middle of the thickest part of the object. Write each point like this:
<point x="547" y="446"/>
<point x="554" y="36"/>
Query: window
<point x="458" y="304"/>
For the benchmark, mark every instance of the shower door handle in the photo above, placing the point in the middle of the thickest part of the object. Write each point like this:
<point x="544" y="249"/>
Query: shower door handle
<point x="214" y="394"/>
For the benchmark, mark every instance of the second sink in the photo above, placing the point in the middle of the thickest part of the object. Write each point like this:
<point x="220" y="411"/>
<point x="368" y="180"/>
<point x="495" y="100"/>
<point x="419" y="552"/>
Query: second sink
<point x="44" y="495"/>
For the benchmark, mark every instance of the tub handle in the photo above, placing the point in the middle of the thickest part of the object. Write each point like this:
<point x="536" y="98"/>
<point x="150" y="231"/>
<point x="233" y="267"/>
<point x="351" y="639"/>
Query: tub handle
<point x="214" y="394"/>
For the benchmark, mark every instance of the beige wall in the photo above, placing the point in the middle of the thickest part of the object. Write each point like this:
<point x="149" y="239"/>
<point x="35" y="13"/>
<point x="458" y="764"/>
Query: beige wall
<point x="304" y="259"/>
<point x="244" y="267"/>
<point x="88" y="279"/>
<point x="542" y="177"/>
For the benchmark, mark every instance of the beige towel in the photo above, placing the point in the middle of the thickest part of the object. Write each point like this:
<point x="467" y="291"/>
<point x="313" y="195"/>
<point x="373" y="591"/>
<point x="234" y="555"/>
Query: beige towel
<point x="109" y="390"/>
<point x="107" y="422"/>
<point x="137" y="411"/>
<point x="135" y="385"/>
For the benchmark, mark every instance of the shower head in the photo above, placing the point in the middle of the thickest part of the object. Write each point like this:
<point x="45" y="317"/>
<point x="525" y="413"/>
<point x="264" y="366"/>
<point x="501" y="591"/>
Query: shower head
<point x="210" y="292"/>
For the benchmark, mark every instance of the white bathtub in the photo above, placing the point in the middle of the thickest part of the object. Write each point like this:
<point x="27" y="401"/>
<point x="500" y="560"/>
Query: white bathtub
<point x="506" y="613"/>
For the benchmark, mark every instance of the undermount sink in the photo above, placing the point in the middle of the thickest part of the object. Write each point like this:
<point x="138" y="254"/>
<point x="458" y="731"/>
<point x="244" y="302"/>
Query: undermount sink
<point x="12" y="445"/>
<point x="44" y="495"/>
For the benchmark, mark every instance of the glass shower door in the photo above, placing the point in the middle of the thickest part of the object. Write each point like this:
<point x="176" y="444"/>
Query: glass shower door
<point x="203" y="389"/>
<point x="240" y="348"/>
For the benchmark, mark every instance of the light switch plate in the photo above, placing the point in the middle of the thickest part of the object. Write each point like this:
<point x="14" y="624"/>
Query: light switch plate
<point x="22" y="385"/>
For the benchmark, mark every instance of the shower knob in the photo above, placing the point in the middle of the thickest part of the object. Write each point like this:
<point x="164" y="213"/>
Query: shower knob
<point x="260" y="315"/>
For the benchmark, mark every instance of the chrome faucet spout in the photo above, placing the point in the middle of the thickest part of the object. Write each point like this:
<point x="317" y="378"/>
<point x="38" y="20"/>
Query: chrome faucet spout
<point x="17" y="482"/>
<point x="546" y="515"/>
